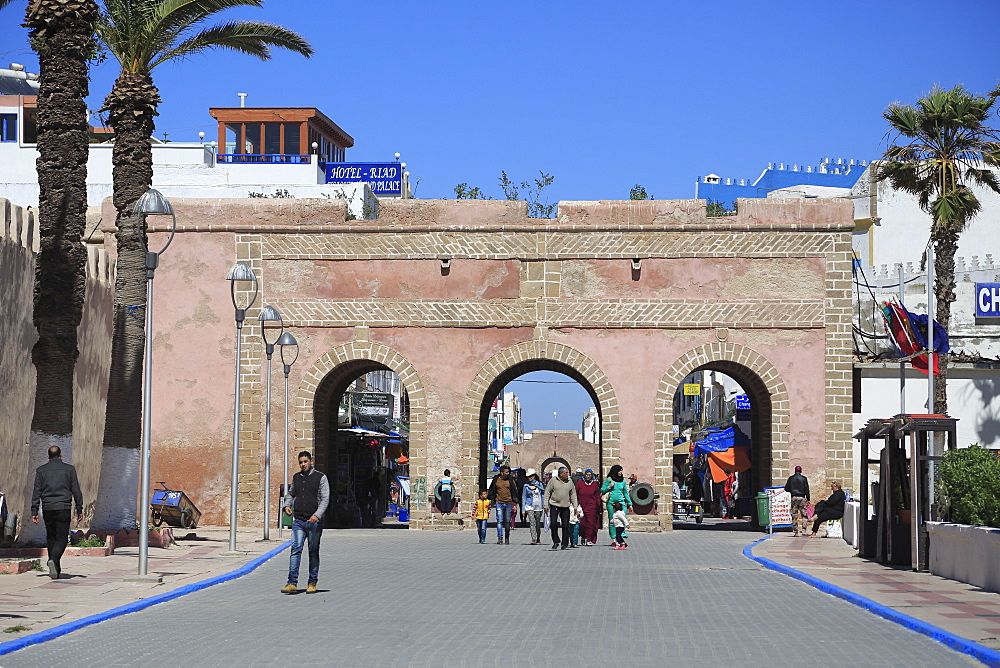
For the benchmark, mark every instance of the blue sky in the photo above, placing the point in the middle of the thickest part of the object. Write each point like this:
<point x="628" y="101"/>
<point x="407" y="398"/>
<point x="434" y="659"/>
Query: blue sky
<point x="600" y="95"/>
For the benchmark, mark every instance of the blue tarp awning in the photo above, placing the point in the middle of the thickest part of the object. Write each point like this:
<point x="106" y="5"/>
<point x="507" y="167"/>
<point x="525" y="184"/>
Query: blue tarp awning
<point x="721" y="441"/>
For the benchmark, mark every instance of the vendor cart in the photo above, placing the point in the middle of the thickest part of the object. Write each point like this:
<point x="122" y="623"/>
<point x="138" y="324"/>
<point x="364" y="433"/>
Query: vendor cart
<point x="173" y="507"/>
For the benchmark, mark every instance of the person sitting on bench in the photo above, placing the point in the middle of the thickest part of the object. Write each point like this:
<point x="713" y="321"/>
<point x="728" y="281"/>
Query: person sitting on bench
<point x="831" y="508"/>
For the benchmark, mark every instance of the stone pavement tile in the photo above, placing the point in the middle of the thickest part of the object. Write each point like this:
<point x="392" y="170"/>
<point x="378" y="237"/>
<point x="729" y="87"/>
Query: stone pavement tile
<point x="956" y="607"/>
<point x="411" y="598"/>
<point x="90" y="585"/>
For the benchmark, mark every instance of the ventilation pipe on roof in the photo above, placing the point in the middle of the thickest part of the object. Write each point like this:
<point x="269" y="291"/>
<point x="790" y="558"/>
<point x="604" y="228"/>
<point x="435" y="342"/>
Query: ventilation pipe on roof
<point x="17" y="67"/>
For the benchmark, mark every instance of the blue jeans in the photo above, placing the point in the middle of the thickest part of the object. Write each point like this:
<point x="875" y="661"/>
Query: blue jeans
<point x="300" y="530"/>
<point x="481" y="526"/>
<point x="503" y="517"/>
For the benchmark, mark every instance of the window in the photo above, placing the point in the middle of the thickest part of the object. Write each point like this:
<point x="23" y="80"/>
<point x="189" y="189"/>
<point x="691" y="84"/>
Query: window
<point x="252" y="143"/>
<point x="292" y="139"/>
<point x="272" y="138"/>
<point x="29" y="131"/>
<point x="233" y="131"/>
<point x="8" y="127"/>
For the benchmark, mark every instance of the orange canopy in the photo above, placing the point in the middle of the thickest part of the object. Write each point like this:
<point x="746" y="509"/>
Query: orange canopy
<point x="733" y="460"/>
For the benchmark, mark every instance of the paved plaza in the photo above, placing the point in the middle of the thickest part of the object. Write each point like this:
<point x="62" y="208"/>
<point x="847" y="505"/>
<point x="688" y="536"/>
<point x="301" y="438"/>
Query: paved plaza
<point x="405" y="598"/>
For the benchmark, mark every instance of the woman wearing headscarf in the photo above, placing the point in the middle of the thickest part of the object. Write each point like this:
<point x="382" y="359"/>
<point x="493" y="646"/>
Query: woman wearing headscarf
<point x="588" y="494"/>
<point x="617" y="490"/>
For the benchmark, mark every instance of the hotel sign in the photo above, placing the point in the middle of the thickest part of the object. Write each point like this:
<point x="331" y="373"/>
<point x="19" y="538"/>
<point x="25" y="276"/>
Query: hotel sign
<point x="384" y="178"/>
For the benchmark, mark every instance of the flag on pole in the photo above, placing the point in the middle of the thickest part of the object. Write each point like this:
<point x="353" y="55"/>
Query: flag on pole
<point x="908" y="332"/>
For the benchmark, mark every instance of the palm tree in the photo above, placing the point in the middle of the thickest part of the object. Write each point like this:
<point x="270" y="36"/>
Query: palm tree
<point x="62" y="34"/>
<point x="141" y="35"/>
<point x="946" y="147"/>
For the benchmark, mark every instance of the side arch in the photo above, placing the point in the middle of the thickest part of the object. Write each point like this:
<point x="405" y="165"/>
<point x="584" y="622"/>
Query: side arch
<point x="768" y="400"/>
<point x="524" y="358"/>
<point x="334" y="370"/>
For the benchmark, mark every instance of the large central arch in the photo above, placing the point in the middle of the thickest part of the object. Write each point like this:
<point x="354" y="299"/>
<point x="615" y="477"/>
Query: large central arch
<point x="768" y="402"/>
<point x="517" y="360"/>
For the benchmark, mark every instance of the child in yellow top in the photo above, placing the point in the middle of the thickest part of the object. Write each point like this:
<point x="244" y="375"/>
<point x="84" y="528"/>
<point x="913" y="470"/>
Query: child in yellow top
<point x="481" y="513"/>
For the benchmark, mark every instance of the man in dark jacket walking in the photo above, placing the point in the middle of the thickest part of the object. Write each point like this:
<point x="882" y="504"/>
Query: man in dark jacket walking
<point x="56" y="488"/>
<point x="307" y="499"/>
<point x="504" y="495"/>
<point x="798" y="486"/>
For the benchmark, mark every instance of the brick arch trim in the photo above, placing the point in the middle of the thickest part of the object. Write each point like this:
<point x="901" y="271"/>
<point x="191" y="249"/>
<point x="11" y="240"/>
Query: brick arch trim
<point x="313" y="392"/>
<point x="549" y="356"/>
<point x="746" y="362"/>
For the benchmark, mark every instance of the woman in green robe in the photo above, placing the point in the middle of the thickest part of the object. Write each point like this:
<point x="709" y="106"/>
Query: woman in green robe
<point x="617" y="490"/>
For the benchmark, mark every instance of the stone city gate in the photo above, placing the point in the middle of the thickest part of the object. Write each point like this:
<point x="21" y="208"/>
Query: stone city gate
<point x="459" y="297"/>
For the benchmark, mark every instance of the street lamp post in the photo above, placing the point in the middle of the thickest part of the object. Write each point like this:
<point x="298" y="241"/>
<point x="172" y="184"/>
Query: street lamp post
<point x="241" y="271"/>
<point x="268" y="314"/>
<point x="152" y="203"/>
<point x="286" y="341"/>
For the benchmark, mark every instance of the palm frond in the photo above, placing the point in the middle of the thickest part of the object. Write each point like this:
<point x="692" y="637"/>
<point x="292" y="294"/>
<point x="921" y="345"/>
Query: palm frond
<point x="953" y="209"/>
<point x="174" y="17"/>
<point x="983" y="177"/>
<point x="255" y="39"/>
<point x="4" y="3"/>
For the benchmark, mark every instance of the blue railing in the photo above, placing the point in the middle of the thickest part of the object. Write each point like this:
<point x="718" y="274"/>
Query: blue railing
<point x="262" y="159"/>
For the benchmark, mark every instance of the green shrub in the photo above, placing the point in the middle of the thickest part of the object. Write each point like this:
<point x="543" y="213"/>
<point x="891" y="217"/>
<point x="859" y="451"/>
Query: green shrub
<point x="969" y="487"/>
<point x="91" y="541"/>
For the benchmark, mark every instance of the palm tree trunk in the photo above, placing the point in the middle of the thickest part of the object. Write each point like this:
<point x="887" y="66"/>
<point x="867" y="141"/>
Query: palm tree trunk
<point x="945" y="247"/>
<point x="63" y="36"/>
<point x="131" y="106"/>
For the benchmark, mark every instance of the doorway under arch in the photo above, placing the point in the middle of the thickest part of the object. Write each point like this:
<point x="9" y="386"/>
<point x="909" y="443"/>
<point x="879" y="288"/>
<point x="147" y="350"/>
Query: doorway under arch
<point x="768" y="410"/>
<point x="317" y="410"/>
<point x="516" y="361"/>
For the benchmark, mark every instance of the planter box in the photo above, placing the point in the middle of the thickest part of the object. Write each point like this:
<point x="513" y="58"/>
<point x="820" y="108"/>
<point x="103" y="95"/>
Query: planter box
<point x="17" y="567"/>
<point x="42" y="553"/>
<point x="965" y="553"/>
<point x="163" y="537"/>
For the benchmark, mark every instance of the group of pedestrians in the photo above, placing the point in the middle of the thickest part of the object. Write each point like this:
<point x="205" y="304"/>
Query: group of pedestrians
<point x="572" y="507"/>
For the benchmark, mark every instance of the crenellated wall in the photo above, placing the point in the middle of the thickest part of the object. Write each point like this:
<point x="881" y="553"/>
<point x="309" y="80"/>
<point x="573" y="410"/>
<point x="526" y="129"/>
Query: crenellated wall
<point x="18" y="247"/>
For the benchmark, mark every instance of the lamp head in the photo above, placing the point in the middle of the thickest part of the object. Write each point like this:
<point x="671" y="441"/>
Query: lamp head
<point x="287" y="341"/>
<point x="153" y="203"/>
<point x="241" y="271"/>
<point x="269" y="314"/>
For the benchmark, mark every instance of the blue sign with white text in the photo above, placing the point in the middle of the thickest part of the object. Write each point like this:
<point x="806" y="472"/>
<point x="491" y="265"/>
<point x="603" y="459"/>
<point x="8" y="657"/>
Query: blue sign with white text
<point x="384" y="178"/>
<point x="988" y="300"/>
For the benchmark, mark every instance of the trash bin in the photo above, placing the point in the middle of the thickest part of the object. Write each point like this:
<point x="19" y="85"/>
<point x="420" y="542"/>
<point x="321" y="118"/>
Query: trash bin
<point x="403" y="514"/>
<point x="763" y="512"/>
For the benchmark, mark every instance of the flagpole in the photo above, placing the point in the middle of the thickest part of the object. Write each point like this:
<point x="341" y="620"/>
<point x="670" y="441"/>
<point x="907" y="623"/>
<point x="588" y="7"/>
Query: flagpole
<point x="930" y="326"/>
<point x="902" y="365"/>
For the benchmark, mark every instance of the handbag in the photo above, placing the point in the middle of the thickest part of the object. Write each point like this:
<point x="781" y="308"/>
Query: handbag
<point x="834" y="529"/>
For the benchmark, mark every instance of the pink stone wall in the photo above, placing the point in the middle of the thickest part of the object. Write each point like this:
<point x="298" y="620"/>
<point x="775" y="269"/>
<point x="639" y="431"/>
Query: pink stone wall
<point x="765" y="282"/>
<point x="394" y="279"/>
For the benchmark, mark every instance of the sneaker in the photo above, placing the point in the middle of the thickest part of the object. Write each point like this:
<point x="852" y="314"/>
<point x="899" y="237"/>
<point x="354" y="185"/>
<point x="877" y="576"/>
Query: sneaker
<point x="53" y="571"/>
<point x="482" y="540"/>
<point x="506" y="540"/>
<point x="619" y="547"/>
<point x="555" y="546"/>
<point x="499" y="541"/>
<point x="311" y="588"/>
<point x="289" y="589"/>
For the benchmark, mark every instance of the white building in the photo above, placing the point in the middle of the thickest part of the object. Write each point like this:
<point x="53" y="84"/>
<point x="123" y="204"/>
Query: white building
<point x="891" y="234"/>
<point x="265" y="152"/>
<point x="590" y="430"/>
